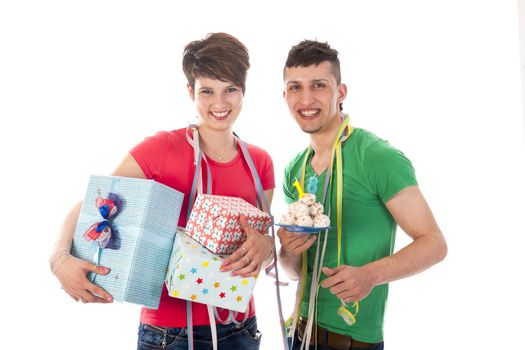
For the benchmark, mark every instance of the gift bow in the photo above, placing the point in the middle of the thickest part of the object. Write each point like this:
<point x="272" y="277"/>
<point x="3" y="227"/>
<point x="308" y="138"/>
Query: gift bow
<point x="102" y="232"/>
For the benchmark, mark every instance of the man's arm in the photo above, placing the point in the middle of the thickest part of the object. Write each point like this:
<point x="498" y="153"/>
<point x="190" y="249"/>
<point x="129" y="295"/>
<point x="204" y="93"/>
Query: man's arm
<point x="292" y="247"/>
<point x="292" y="244"/>
<point x="411" y="211"/>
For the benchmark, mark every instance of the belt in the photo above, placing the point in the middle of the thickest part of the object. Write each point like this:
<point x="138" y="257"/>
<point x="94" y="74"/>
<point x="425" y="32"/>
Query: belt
<point x="330" y="339"/>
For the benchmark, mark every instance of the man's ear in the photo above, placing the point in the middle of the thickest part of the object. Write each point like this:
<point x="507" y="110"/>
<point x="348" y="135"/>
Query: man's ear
<point x="190" y="91"/>
<point x="342" y="89"/>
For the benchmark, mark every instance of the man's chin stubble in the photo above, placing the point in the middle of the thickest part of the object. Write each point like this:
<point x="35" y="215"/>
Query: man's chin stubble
<point x="311" y="131"/>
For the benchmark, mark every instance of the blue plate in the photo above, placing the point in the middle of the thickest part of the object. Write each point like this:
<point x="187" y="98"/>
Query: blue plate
<point x="303" y="229"/>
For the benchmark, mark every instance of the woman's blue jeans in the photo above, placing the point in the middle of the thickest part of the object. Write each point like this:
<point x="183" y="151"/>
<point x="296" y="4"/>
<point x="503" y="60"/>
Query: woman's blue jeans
<point x="231" y="336"/>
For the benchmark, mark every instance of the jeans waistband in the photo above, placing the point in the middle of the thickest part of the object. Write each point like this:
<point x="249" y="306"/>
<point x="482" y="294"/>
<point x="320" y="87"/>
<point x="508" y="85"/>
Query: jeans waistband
<point x="198" y="329"/>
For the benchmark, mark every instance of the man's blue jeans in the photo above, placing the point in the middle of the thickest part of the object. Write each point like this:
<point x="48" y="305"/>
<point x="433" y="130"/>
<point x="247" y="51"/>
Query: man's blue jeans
<point x="231" y="336"/>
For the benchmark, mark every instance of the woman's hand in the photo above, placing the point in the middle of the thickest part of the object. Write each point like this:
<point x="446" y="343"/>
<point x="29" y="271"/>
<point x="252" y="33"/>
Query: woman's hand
<point x="248" y="259"/>
<point x="72" y="274"/>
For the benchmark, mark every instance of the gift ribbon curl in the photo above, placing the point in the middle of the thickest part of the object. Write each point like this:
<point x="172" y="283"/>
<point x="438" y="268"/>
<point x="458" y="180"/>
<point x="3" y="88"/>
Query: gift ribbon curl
<point x="102" y="232"/>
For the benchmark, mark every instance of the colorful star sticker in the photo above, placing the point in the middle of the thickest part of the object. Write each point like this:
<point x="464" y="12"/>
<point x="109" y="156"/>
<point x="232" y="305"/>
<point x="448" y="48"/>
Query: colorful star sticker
<point x="233" y="288"/>
<point x="193" y="270"/>
<point x="239" y="298"/>
<point x="193" y="297"/>
<point x="199" y="280"/>
<point x="205" y="291"/>
<point x="181" y="276"/>
<point x="216" y="285"/>
<point x="222" y="295"/>
<point x="205" y="264"/>
<point x="175" y="293"/>
<point x="244" y="282"/>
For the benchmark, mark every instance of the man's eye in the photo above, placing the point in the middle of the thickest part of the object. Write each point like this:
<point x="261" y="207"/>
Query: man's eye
<point x="319" y="85"/>
<point x="206" y="92"/>
<point x="293" y="87"/>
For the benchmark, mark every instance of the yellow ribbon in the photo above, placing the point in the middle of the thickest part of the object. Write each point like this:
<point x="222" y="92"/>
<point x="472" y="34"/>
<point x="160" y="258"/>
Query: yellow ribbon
<point x="299" y="188"/>
<point x="347" y="315"/>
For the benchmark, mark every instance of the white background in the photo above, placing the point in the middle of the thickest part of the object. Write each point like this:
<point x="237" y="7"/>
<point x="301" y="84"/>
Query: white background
<point x="83" y="82"/>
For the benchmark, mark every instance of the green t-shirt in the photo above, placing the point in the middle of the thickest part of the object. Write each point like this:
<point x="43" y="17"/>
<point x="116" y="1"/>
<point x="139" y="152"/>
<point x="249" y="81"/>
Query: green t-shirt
<point x="373" y="172"/>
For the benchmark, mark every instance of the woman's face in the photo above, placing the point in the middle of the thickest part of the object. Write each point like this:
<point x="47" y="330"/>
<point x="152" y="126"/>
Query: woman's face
<point x="218" y="103"/>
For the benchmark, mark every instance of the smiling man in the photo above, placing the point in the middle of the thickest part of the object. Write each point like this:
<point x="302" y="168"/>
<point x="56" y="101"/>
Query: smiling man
<point x="367" y="188"/>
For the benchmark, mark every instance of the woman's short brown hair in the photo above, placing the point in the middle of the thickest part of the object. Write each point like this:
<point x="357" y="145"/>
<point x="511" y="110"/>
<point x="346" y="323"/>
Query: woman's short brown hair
<point x="219" y="56"/>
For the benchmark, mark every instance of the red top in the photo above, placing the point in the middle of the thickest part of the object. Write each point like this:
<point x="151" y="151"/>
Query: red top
<point x="168" y="158"/>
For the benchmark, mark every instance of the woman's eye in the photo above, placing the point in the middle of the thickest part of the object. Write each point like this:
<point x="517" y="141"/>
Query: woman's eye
<point x="232" y="89"/>
<point x="206" y="92"/>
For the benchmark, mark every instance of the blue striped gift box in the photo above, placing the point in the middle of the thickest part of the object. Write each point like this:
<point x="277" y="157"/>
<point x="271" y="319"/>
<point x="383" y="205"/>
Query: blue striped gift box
<point x="146" y="224"/>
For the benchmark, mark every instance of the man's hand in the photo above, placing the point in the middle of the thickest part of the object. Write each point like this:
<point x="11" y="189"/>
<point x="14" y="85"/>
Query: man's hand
<point x="293" y="243"/>
<point x="292" y="246"/>
<point x="348" y="283"/>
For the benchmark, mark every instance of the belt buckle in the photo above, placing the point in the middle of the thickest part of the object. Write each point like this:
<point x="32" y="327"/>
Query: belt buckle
<point x="301" y="328"/>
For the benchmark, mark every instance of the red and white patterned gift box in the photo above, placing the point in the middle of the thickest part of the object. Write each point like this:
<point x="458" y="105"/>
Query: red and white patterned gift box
<point x="214" y="222"/>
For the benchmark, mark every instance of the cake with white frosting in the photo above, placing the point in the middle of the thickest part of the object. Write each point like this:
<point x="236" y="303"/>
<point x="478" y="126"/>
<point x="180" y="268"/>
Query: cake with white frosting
<point x="306" y="212"/>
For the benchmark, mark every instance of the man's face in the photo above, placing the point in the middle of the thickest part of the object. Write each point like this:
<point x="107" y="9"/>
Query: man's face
<point x="313" y="96"/>
<point x="218" y="103"/>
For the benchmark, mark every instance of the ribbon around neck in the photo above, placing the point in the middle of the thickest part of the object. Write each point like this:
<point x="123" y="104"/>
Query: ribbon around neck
<point x="344" y="132"/>
<point x="102" y="232"/>
<point x="197" y="187"/>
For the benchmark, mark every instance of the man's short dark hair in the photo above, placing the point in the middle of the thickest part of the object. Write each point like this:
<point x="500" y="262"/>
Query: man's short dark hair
<point x="311" y="52"/>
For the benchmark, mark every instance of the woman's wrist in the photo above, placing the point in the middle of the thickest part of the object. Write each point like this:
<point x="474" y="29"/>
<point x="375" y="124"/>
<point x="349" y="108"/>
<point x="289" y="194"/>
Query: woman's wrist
<point x="57" y="259"/>
<point x="271" y="244"/>
<point x="60" y="253"/>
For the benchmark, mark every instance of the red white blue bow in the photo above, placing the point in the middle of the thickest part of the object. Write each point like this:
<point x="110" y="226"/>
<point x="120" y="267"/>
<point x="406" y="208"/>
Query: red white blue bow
<point x="102" y="232"/>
